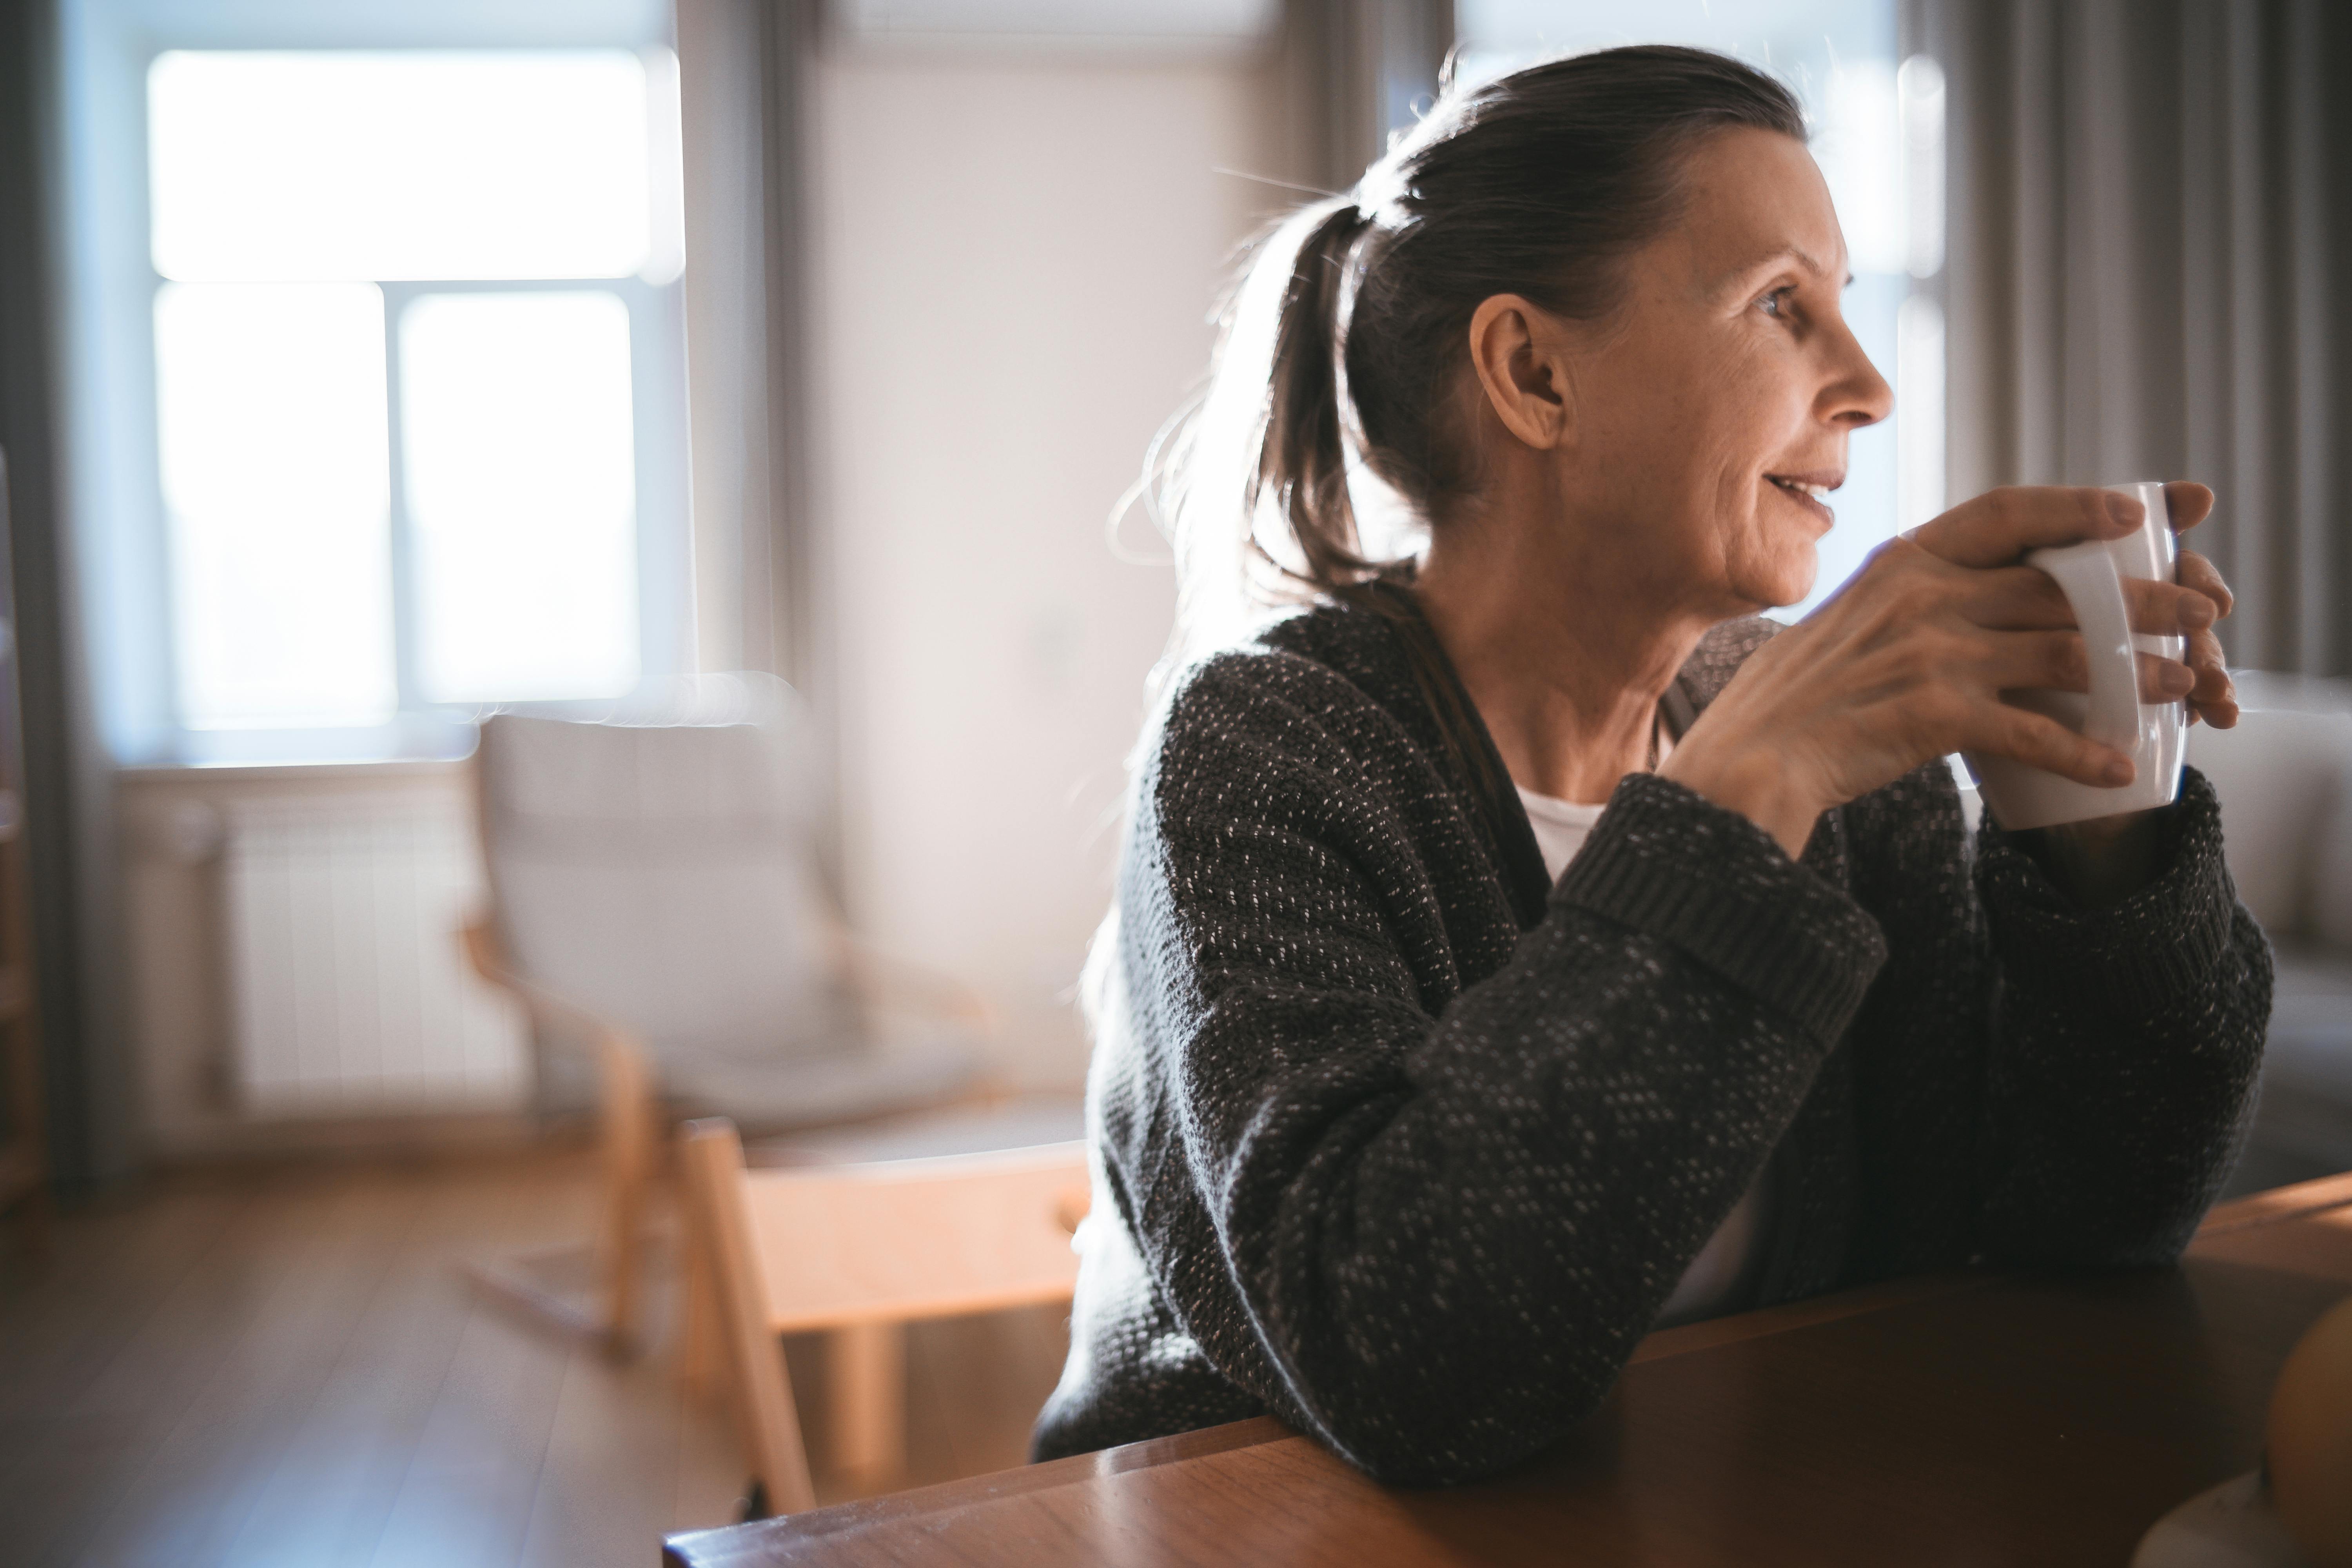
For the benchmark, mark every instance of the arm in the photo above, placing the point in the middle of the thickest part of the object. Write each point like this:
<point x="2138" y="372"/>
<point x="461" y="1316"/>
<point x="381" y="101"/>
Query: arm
<point x="1428" y="1222"/>
<point x="2129" y="1040"/>
<point x="2039" y="1082"/>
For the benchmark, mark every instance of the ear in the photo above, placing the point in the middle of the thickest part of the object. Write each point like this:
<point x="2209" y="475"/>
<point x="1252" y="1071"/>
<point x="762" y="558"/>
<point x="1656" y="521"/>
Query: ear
<point x="1520" y="356"/>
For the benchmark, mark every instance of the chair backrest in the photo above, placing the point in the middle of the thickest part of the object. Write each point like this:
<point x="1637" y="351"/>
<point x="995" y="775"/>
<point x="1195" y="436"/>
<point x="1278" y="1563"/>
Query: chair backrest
<point x="2284" y="778"/>
<point x="664" y="876"/>
<point x="903" y="1239"/>
<point x="849" y="1247"/>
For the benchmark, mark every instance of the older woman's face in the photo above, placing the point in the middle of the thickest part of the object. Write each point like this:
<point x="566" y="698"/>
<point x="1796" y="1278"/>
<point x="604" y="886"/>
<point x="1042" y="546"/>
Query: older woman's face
<point x="1712" y="410"/>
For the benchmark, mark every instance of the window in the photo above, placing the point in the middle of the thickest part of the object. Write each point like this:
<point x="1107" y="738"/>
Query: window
<point x="412" y="376"/>
<point x="1878" y="130"/>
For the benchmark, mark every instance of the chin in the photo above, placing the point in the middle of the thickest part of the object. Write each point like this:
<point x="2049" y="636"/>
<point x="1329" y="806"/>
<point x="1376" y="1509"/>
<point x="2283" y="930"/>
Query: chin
<point x="1775" y="584"/>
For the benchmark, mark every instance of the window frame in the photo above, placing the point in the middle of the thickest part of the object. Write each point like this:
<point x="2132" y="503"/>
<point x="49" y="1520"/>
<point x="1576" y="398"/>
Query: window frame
<point x="122" y="529"/>
<point x="656" y="336"/>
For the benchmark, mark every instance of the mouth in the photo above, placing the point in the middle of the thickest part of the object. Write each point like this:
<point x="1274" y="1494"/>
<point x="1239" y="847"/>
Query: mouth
<point x="1810" y="491"/>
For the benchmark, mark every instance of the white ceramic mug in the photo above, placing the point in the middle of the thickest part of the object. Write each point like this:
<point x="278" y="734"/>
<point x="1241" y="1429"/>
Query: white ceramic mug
<point x="2153" y="734"/>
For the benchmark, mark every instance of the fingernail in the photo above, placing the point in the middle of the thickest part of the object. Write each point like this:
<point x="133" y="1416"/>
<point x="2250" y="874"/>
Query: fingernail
<point x="2118" y="772"/>
<point x="2179" y="678"/>
<point x="2126" y="510"/>
<point x="2197" y="613"/>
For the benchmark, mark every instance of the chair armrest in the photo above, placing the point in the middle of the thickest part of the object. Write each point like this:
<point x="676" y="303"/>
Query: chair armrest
<point x="547" y="1010"/>
<point x="884" y="980"/>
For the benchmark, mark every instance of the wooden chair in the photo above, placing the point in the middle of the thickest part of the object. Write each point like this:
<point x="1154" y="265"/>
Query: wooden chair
<point x="657" y="910"/>
<point x="859" y="1251"/>
<point x="628" y="1136"/>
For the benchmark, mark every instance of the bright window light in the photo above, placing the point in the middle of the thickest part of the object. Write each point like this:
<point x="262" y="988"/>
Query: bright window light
<point x="270" y="413"/>
<point x="398" y="165"/>
<point x="1860" y="157"/>
<point x="1920" y="389"/>
<point x="521" y="479"/>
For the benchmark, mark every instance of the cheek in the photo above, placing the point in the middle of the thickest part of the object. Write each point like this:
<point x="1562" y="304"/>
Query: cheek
<point x="1684" y="443"/>
<point x="1772" y="559"/>
<point x="1769" y="544"/>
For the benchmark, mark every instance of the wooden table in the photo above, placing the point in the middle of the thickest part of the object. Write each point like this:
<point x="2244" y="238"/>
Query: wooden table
<point x="1962" y="1419"/>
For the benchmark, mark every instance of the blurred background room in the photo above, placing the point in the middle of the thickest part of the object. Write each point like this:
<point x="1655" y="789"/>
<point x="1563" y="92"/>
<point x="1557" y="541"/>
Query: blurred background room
<point x="553" y="540"/>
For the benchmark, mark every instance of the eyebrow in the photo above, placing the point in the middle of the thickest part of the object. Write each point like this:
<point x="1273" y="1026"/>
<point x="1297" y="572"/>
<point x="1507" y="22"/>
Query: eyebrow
<point x="1804" y="257"/>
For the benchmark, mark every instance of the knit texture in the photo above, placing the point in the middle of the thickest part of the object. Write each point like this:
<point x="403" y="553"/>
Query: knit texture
<point x="1396" y="1141"/>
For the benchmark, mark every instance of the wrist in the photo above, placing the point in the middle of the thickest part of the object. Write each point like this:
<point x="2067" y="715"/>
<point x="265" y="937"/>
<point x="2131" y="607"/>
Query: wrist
<point x="2100" y="862"/>
<point x="1758" y="785"/>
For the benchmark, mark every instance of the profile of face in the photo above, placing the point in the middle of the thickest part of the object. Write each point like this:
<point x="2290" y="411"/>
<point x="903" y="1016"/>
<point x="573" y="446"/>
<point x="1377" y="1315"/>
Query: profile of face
<point x="1701" y="426"/>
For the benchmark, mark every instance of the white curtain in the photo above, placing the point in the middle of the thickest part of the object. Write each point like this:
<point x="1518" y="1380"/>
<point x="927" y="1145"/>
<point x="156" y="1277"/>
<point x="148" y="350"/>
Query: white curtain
<point x="2151" y="218"/>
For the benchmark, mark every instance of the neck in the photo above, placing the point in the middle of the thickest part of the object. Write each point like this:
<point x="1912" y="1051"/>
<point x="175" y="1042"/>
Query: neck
<point x="1565" y="666"/>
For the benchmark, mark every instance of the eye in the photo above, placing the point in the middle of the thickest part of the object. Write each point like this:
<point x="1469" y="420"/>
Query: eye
<point x="1776" y="303"/>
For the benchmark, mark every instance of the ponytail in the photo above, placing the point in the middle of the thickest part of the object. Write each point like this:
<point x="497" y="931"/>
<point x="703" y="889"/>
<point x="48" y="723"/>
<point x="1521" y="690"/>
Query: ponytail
<point x="1248" y="481"/>
<point x="1302" y="456"/>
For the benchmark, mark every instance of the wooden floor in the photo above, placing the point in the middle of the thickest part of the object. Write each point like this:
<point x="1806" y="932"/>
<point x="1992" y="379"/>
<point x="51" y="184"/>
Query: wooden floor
<point x="287" y="1368"/>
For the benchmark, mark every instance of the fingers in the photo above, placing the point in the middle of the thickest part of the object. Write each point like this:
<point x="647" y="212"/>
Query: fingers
<point x="2196" y="572"/>
<point x="2214" y="696"/>
<point x="2167" y="610"/>
<point x="2189" y="503"/>
<point x="2056" y="661"/>
<point x="1999" y="526"/>
<point x="2019" y="598"/>
<point x="2045" y="743"/>
<point x="2163" y="679"/>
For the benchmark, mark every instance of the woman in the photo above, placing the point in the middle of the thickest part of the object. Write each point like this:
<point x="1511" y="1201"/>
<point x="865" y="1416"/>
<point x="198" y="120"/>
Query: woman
<point x="1423" y="1086"/>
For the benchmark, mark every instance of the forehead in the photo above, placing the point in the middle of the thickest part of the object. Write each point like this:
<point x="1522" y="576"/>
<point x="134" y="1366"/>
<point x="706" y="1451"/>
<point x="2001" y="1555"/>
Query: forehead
<point x="1752" y="197"/>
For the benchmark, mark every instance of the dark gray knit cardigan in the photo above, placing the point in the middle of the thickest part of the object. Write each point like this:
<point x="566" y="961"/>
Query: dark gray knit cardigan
<point x="1400" y="1143"/>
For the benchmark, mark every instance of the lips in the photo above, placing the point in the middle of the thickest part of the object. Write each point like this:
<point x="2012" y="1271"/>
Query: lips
<point x="1809" y="489"/>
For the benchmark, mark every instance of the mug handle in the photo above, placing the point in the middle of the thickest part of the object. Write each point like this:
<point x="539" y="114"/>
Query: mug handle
<point x="2087" y="575"/>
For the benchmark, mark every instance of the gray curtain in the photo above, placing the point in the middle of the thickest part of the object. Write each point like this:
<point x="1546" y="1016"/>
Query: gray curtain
<point x="2151" y="221"/>
<point x="88" y="1117"/>
<point x="1350" y="72"/>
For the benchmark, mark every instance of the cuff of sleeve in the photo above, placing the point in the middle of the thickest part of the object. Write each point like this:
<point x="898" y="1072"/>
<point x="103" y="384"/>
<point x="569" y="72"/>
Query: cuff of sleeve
<point x="2132" y="958"/>
<point x="1666" y="861"/>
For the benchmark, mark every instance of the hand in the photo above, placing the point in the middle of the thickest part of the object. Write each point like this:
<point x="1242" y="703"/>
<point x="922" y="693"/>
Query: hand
<point x="1908" y="661"/>
<point x="2214" y="699"/>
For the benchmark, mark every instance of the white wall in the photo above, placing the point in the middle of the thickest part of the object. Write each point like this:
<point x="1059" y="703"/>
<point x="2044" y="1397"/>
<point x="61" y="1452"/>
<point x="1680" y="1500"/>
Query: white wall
<point x="1014" y="266"/>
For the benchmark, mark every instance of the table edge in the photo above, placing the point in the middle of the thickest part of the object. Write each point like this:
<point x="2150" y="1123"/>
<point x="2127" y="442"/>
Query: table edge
<point x="2277" y="1205"/>
<point x="814" y="1524"/>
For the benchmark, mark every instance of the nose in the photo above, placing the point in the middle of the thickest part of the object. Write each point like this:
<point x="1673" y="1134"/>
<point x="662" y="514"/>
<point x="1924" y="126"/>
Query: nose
<point x="1855" y="395"/>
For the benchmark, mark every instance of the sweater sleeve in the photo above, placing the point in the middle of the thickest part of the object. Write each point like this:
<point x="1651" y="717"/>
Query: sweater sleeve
<point x="2126" y="1052"/>
<point x="1430" y="1223"/>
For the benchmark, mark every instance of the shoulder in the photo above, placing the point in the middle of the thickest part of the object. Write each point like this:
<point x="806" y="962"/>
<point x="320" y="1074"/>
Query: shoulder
<point x="1259" y="711"/>
<point x="1312" y="718"/>
<point x="1319" y="669"/>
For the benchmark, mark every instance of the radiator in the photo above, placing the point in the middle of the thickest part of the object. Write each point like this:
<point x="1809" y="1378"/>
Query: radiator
<point x="347" y="992"/>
